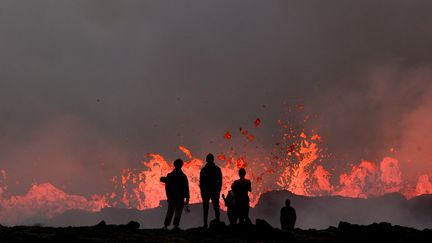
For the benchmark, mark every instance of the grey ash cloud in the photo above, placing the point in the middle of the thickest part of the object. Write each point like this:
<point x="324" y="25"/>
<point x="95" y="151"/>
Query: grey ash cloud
<point x="90" y="82"/>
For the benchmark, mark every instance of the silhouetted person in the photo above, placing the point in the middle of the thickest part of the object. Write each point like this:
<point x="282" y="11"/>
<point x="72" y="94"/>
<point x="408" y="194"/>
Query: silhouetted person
<point x="241" y="188"/>
<point x="288" y="216"/>
<point x="210" y="186"/>
<point x="177" y="192"/>
<point x="230" y="204"/>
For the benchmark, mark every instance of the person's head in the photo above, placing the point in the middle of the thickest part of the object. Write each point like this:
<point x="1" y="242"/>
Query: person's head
<point x="242" y="172"/>
<point x="287" y="202"/>
<point x="178" y="163"/>
<point x="210" y="158"/>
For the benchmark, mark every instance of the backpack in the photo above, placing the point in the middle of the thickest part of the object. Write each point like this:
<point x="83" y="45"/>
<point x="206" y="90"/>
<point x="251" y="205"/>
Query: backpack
<point x="229" y="199"/>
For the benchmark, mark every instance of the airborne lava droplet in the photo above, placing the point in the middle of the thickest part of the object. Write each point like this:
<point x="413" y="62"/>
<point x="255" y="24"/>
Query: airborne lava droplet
<point x="227" y="135"/>
<point x="257" y="122"/>
<point x="186" y="152"/>
<point x="316" y="137"/>
<point x="295" y="163"/>
<point x="300" y="106"/>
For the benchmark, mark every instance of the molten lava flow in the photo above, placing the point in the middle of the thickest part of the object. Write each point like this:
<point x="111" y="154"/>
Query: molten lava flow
<point x="43" y="200"/>
<point x="142" y="189"/>
<point x="297" y="162"/>
<point x="391" y="176"/>
<point x="358" y="182"/>
<point x="424" y="185"/>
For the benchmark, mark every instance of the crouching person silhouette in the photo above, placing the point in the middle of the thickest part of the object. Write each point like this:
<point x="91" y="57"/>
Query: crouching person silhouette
<point x="230" y="204"/>
<point x="288" y="216"/>
<point x="177" y="192"/>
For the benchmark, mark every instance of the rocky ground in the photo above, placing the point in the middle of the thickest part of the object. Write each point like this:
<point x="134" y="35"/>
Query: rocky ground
<point x="312" y="212"/>
<point x="260" y="232"/>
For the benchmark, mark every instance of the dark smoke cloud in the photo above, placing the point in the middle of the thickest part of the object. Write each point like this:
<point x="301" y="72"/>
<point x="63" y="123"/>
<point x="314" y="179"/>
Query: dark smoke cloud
<point x="90" y="81"/>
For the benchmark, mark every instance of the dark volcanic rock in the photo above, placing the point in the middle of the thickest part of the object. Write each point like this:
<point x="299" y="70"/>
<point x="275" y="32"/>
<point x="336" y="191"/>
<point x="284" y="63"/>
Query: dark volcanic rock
<point x="262" y="232"/>
<point x="217" y="225"/>
<point x="263" y="225"/>
<point x="312" y="212"/>
<point x="101" y="224"/>
<point x="345" y="226"/>
<point x="320" y="212"/>
<point x="133" y="225"/>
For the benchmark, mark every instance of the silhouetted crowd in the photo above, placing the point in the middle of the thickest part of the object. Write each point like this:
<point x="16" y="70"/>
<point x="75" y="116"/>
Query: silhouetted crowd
<point x="236" y="200"/>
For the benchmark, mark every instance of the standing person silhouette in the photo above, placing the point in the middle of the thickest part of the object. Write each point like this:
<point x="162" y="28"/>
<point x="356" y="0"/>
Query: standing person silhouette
<point x="288" y="216"/>
<point x="177" y="192"/>
<point x="241" y="188"/>
<point x="210" y="186"/>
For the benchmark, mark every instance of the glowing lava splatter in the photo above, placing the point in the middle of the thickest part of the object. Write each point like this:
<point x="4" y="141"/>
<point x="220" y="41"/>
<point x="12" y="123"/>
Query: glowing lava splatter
<point x="296" y="163"/>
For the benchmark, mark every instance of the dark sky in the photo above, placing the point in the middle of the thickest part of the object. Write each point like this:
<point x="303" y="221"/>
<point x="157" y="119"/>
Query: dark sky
<point x="85" y="82"/>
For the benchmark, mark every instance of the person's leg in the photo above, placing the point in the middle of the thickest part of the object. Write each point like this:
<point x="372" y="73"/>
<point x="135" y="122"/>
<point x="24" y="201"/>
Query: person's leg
<point x="247" y="219"/>
<point x="178" y="212"/>
<point x="239" y="211"/>
<point x="242" y="218"/>
<point x="205" y="209"/>
<point x="290" y="224"/>
<point x="284" y="225"/>
<point x="291" y="227"/>
<point x="169" y="214"/>
<point x="243" y="212"/>
<point x="215" y="202"/>
<point x="231" y="216"/>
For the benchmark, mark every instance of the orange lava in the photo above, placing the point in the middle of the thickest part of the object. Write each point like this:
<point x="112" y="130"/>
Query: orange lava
<point x="296" y="163"/>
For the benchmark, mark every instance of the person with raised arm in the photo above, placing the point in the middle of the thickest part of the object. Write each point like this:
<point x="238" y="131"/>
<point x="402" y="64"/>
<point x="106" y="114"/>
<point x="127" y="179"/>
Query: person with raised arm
<point x="177" y="192"/>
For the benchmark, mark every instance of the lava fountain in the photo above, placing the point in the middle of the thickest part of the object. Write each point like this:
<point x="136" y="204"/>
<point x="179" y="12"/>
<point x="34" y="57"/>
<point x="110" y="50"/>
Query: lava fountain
<point x="296" y="163"/>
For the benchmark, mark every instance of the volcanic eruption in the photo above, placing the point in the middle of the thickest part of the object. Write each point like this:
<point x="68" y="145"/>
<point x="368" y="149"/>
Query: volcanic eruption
<point x="297" y="162"/>
<point x="318" y="101"/>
